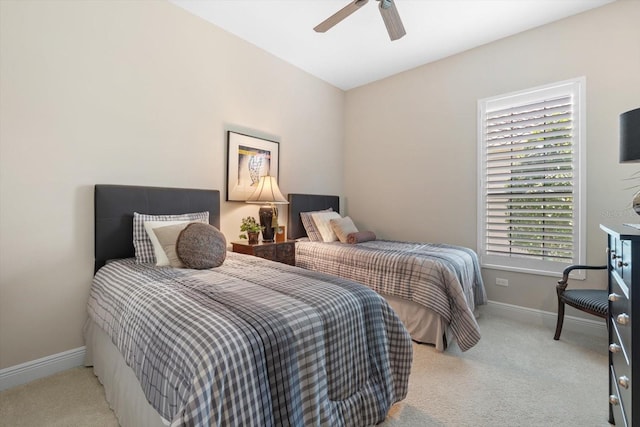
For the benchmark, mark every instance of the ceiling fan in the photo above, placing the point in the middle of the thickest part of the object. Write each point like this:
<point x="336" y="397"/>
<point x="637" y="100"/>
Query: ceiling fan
<point x="388" y="11"/>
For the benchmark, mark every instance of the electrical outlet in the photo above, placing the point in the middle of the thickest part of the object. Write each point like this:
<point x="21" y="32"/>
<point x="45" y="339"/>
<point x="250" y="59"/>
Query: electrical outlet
<point x="502" y="282"/>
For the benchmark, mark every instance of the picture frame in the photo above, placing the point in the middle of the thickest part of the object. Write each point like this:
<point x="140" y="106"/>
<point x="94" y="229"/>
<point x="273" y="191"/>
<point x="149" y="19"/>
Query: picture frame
<point x="248" y="158"/>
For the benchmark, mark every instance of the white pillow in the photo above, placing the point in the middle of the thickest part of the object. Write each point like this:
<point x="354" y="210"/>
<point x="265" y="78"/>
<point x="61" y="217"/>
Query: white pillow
<point x="158" y="251"/>
<point x="323" y="225"/>
<point x="168" y="237"/>
<point x="343" y="227"/>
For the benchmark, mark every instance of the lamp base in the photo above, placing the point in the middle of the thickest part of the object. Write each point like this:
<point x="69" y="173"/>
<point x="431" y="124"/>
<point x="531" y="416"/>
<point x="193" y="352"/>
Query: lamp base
<point x="266" y="220"/>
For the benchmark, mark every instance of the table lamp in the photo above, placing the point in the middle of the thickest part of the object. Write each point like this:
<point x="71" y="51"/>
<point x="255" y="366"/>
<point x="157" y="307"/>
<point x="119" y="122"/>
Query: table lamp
<point x="268" y="194"/>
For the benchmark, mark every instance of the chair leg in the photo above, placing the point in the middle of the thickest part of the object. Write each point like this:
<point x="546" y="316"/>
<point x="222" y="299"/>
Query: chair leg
<point x="560" y="320"/>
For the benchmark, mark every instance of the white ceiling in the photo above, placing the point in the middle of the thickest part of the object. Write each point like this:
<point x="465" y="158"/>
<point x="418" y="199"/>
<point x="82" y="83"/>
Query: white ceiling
<point x="358" y="50"/>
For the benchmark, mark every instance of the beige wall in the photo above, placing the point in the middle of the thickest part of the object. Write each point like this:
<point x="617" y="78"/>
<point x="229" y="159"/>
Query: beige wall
<point x="133" y="92"/>
<point x="142" y="93"/>
<point x="411" y="146"/>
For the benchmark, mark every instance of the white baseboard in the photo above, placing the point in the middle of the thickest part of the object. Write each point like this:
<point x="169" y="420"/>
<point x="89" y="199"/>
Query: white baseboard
<point x="40" y="368"/>
<point x="596" y="327"/>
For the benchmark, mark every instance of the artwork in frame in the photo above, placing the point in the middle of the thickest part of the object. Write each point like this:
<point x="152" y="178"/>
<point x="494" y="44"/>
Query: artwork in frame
<point x="248" y="158"/>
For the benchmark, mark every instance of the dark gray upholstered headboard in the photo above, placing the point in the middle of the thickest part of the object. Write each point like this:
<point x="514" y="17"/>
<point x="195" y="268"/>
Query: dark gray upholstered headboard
<point x="115" y="204"/>
<point x="307" y="203"/>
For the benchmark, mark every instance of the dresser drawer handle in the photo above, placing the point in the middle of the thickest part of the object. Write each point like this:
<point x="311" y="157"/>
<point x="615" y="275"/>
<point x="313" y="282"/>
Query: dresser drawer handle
<point x="624" y="381"/>
<point x="614" y="297"/>
<point x="614" y="348"/>
<point x="613" y="399"/>
<point x="622" y="319"/>
<point x="622" y="264"/>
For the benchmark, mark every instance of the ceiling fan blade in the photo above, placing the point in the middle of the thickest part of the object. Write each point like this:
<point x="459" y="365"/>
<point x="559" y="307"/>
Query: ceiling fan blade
<point x="339" y="15"/>
<point x="392" y="19"/>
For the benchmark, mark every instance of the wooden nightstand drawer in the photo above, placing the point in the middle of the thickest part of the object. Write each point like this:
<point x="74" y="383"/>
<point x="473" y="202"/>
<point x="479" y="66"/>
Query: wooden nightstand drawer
<point x="284" y="252"/>
<point x="265" y="251"/>
<point x="287" y="251"/>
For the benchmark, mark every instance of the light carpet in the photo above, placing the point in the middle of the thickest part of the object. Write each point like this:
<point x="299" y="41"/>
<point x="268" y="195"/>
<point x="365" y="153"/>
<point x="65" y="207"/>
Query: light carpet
<point x="517" y="375"/>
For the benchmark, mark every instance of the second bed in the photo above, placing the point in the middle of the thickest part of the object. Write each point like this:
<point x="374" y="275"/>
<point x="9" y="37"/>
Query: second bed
<point x="434" y="288"/>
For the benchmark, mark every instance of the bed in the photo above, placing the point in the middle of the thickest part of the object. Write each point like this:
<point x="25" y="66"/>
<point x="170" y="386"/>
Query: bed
<point x="250" y="342"/>
<point x="434" y="288"/>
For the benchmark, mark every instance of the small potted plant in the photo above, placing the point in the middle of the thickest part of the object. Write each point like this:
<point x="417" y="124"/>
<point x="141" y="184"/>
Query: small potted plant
<point x="250" y="229"/>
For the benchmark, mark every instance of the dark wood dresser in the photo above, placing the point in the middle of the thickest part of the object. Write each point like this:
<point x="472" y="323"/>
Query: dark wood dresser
<point x="284" y="252"/>
<point x="624" y="313"/>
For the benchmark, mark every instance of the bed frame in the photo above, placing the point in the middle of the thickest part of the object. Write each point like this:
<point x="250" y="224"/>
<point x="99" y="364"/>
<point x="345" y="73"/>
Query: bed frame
<point x="114" y="208"/>
<point x="307" y="203"/>
<point x="115" y="205"/>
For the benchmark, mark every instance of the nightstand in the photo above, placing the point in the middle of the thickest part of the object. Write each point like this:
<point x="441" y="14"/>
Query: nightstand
<point x="284" y="252"/>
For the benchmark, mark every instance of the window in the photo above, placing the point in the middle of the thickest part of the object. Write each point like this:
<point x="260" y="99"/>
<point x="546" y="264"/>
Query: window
<point x="531" y="199"/>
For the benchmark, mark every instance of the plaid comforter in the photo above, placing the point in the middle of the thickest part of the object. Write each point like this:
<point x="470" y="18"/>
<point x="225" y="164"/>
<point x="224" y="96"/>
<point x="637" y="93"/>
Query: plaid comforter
<point x="443" y="278"/>
<point x="254" y="343"/>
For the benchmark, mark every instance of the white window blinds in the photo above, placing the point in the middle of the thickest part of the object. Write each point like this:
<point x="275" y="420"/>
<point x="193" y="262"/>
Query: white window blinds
<point x="531" y="192"/>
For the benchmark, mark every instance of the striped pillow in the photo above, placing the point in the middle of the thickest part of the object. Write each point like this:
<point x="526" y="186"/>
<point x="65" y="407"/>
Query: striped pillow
<point x="309" y="226"/>
<point x="141" y="241"/>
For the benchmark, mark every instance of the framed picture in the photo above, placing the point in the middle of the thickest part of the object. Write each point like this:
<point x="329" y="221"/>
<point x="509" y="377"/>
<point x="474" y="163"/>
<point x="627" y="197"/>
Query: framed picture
<point x="248" y="158"/>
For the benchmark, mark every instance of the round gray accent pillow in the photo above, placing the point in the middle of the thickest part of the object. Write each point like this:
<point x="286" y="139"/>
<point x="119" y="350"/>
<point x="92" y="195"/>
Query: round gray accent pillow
<point x="200" y="246"/>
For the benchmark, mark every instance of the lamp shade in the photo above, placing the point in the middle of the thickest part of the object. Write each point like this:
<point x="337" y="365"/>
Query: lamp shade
<point x="630" y="136"/>
<point x="267" y="192"/>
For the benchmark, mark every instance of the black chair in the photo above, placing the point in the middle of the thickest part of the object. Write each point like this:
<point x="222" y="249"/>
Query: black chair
<point x="592" y="301"/>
